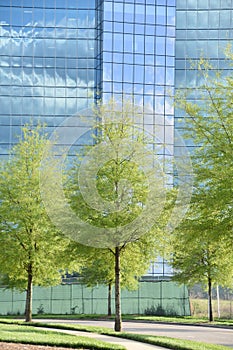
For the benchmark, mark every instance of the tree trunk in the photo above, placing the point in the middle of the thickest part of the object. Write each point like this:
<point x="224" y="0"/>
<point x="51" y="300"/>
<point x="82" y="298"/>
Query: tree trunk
<point x="210" y="299"/>
<point x="28" y="308"/>
<point x="117" y="291"/>
<point x="109" y="299"/>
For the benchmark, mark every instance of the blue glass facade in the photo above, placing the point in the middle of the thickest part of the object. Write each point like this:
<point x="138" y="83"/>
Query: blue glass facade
<point x="136" y="59"/>
<point x="203" y="29"/>
<point x="58" y="56"/>
<point x="55" y="55"/>
<point x="47" y="62"/>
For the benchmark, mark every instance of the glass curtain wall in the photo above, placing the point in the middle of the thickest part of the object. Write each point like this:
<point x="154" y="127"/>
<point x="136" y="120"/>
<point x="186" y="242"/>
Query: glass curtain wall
<point x="203" y="29"/>
<point x="50" y="51"/>
<point x="57" y="56"/>
<point x="137" y="58"/>
<point x="47" y="62"/>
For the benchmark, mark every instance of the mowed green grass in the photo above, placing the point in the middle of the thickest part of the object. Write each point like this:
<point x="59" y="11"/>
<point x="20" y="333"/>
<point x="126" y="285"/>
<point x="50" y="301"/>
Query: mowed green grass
<point x="167" y="319"/>
<point x="31" y="335"/>
<point x="185" y="320"/>
<point x="174" y="343"/>
<point x="167" y="342"/>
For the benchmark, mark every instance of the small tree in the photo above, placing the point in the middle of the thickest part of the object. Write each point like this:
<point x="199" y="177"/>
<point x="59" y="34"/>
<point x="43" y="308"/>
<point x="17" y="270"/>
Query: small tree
<point x="30" y="247"/>
<point x="201" y="255"/>
<point x="209" y="123"/>
<point x="203" y="244"/>
<point x="119" y="211"/>
<point x="99" y="266"/>
<point x="97" y="269"/>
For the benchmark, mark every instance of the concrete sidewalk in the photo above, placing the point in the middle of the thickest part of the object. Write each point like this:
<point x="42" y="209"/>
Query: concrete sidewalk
<point x="127" y="343"/>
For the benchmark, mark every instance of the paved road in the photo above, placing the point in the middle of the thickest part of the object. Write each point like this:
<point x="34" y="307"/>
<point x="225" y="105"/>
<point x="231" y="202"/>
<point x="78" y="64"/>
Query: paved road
<point x="211" y="335"/>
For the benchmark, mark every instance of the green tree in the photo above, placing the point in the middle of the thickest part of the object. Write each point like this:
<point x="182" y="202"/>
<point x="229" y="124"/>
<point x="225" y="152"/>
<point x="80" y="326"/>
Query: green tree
<point x="201" y="255"/>
<point x="98" y="270"/>
<point x="209" y="123"/>
<point x="135" y="260"/>
<point x="203" y="249"/>
<point x="126" y="198"/>
<point x="31" y="251"/>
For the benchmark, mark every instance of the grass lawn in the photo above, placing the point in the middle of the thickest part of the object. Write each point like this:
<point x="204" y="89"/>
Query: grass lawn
<point x="171" y="343"/>
<point x="185" y="320"/>
<point x="178" y="319"/>
<point x="30" y="335"/>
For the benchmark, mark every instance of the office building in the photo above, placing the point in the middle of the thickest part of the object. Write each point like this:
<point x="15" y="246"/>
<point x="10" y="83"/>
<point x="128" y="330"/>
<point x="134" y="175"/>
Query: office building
<point x="204" y="28"/>
<point x="58" y="56"/>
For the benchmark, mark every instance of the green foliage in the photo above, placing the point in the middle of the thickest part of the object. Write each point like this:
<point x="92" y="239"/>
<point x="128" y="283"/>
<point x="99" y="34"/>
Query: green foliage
<point x="27" y="236"/>
<point x="135" y="260"/>
<point x="198" y="256"/>
<point x="122" y="203"/>
<point x="209" y="123"/>
<point x="31" y="250"/>
<point x="203" y="244"/>
<point x="125" y="184"/>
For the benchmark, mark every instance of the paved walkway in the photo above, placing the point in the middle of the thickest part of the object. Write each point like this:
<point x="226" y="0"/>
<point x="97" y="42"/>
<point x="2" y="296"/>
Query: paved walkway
<point x="213" y="335"/>
<point x="127" y="343"/>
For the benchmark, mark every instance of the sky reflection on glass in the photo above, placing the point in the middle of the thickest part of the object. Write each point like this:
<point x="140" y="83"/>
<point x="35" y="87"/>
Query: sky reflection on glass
<point x="47" y="63"/>
<point x="48" y="57"/>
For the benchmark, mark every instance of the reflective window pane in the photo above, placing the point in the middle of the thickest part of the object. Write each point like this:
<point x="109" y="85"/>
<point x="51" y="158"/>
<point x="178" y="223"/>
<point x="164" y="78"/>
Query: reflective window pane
<point x="118" y="12"/>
